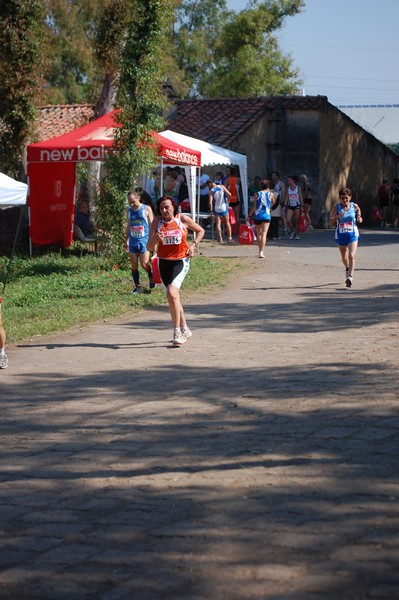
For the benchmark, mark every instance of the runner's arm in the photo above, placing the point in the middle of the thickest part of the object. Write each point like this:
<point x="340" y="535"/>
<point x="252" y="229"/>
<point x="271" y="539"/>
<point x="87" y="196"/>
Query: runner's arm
<point x="154" y="236"/>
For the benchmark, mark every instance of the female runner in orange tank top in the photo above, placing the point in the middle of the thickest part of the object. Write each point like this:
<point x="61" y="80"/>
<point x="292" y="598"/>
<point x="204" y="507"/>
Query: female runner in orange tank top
<point x="169" y="233"/>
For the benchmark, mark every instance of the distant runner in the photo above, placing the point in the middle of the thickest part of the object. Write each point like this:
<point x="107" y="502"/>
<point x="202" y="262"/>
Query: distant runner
<point x="346" y="214"/>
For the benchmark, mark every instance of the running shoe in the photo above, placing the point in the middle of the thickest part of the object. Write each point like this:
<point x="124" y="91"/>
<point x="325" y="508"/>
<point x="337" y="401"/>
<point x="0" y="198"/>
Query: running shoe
<point x="3" y="361"/>
<point x="348" y="281"/>
<point x="186" y="333"/>
<point x="292" y="235"/>
<point x="297" y="237"/>
<point x="261" y="255"/>
<point x="178" y="339"/>
<point x="137" y="290"/>
<point x="150" y="280"/>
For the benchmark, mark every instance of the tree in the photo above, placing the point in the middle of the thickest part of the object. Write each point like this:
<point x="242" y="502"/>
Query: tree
<point x="141" y="100"/>
<point x="72" y="75"/>
<point x="21" y="25"/>
<point x="108" y="46"/>
<point x="235" y="54"/>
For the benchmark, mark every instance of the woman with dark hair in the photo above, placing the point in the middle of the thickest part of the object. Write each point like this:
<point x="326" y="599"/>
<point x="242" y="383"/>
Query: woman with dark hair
<point x="345" y="214"/>
<point x="263" y="202"/>
<point x="294" y="204"/>
<point x="168" y="234"/>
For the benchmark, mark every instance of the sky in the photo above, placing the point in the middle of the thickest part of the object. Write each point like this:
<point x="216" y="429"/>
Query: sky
<point x="347" y="50"/>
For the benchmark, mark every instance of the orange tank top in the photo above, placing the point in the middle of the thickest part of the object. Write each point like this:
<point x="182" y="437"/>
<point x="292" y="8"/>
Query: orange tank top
<point x="233" y="189"/>
<point x="174" y="245"/>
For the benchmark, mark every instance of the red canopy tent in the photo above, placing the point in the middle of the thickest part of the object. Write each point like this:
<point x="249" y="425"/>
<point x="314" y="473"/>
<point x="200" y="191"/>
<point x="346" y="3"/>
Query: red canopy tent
<point x="52" y="176"/>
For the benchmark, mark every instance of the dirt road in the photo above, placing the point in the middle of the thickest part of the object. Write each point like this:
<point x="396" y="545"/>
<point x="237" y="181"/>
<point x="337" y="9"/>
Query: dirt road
<point x="258" y="461"/>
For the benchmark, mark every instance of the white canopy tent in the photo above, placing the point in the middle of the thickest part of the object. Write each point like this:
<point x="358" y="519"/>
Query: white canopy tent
<point x="215" y="155"/>
<point x="12" y="192"/>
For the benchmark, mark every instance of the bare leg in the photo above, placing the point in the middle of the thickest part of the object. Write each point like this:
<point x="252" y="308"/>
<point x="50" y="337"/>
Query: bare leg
<point x="228" y="227"/>
<point x="343" y="250"/>
<point x="175" y="307"/>
<point x="351" y="258"/>
<point x="297" y="215"/>
<point x="306" y="209"/>
<point x="262" y="233"/>
<point x="289" y="218"/>
<point x="237" y="209"/>
<point x="218" y="228"/>
<point x="145" y="261"/>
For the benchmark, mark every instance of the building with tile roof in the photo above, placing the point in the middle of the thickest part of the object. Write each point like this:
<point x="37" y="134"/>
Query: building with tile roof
<point x="293" y="135"/>
<point x="57" y="119"/>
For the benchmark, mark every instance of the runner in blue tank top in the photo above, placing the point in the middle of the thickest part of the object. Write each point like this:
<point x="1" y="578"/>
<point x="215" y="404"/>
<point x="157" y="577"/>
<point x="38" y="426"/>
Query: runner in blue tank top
<point x="139" y="219"/>
<point x="263" y="201"/>
<point x="345" y="215"/>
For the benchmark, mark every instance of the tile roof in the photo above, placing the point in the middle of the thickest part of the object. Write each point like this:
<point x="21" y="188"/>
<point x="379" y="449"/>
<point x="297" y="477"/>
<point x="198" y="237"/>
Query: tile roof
<point x="215" y="120"/>
<point x="57" y="119"/>
<point x="220" y="120"/>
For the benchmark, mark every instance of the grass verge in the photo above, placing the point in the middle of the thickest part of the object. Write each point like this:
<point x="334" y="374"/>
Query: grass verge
<point x="52" y="293"/>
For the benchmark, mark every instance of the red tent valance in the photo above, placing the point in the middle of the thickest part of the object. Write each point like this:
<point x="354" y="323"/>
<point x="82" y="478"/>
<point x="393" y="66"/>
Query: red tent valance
<point x="92" y="141"/>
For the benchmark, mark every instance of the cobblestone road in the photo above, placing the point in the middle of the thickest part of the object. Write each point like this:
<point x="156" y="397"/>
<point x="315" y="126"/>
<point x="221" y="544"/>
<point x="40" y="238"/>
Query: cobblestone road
<point x="259" y="461"/>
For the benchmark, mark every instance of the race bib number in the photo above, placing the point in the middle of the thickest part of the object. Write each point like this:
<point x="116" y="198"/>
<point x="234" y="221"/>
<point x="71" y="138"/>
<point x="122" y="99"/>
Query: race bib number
<point x="346" y="227"/>
<point x="172" y="238"/>
<point x="137" y="231"/>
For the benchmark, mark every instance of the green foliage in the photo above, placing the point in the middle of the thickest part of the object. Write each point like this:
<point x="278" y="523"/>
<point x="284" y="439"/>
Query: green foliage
<point x="228" y="54"/>
<point x="141" y="101"/>
<point x="21" y="26"/>
<point x="52" y="293"/>
<point x="72" y="76"/>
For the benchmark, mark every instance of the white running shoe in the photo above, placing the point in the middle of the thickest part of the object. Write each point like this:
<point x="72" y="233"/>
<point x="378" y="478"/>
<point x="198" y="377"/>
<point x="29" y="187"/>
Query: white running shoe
<point x="297" y="237"/>
<point x="261" y="255"/>
<point x="348" y="281"/>
<point x="292" y="235"/>
<point x="186" y="333"/>
<point x="3" y="361"/>
<point x="178" y="339"/>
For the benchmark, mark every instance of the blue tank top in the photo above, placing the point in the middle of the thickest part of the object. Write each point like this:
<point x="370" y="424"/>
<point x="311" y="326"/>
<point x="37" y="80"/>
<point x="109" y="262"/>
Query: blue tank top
<point x="138" y="224"/>
<point x="347" y="222"/>
<point x="263" y="203"/>
<point x="347" y="229"/>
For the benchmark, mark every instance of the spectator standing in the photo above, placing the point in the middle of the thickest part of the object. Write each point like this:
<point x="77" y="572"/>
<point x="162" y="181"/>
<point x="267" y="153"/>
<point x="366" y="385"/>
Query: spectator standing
<point x="233" y="185"/>
<point x="219" y="177"/>
<point x="279" y="191"/>
<point x="294" y="204"/>
<point x="384" y="196"/>
<point x="307" y="198"/>
<point x="395" y="202"/>
<point x="172" y="186"/>
<point x="254" y="187"/>
<point x="204" y="192"/>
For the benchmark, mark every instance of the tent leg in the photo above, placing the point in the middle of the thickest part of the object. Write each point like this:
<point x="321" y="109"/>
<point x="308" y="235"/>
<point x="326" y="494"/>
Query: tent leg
<point x="13" y="249"/>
